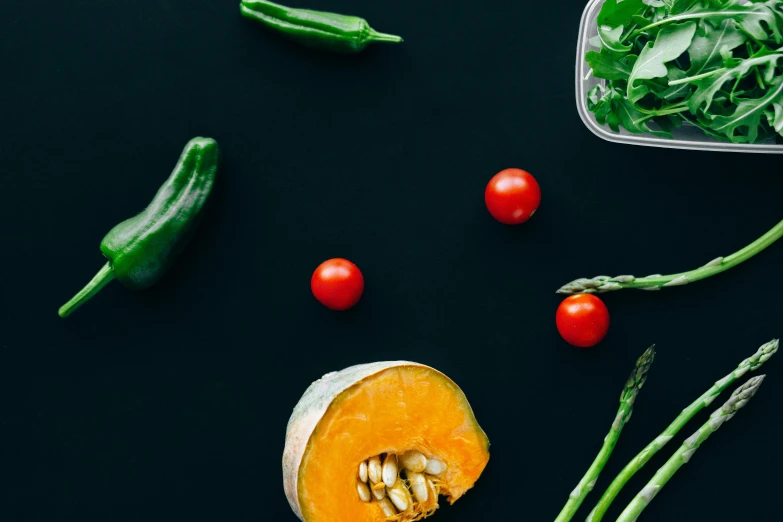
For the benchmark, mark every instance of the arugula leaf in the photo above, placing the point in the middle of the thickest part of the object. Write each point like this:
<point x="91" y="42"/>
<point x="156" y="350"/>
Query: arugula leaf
<point x="610" y="39"/>
<point x="668" y="123"/>
<point x="612" y="108"/>
<point x="619" y="12"/>
<point x="672" y="41"/>
<point x="682" y="6"/>
<point x="775" y="117"/>
<point x="761" y="17"/>
<point x="691" y="6"/>
<point x="748" y="115"/>
<point x="607" y="66"/>
<point x="642" y="20"/>
<point x="707" y="49"/>
<point x="677" y="91"/>
<point x="748" y="15"/>
<point x="634" y="120"/>
<point x="686" y="6"/>
<point x="709" y="86"/>
<point x="599" y="101"/>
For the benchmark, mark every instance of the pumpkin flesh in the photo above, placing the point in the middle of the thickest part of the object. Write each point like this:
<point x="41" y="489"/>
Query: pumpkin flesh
<point x="400" y="408"/>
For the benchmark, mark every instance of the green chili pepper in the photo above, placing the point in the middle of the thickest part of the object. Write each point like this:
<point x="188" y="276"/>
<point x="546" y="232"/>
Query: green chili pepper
<point x="141" y="249"/>
<point x="332" y="32"/>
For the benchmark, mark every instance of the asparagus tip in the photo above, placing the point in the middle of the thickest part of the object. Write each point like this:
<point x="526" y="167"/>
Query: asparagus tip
<point x="763" y="354"/>
<point x="638" y="376"/>
<point x="740" y="397"/>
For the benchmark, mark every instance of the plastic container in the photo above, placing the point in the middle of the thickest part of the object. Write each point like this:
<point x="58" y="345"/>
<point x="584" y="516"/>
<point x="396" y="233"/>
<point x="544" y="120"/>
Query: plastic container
<point x="687" y="137"/>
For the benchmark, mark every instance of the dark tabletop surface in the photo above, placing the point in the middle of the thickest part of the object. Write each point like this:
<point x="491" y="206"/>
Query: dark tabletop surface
<point x="171" y="404"/>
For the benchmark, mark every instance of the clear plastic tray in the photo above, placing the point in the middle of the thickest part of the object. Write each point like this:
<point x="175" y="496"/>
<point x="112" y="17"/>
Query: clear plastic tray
<point x="688" y="137"/>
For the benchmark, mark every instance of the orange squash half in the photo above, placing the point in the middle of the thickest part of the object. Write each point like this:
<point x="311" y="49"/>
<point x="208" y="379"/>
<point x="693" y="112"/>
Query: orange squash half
<point x="409" y="419"/>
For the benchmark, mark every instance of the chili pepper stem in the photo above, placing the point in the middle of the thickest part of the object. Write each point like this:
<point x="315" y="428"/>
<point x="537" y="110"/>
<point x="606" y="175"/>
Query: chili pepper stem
<point x="383" y="37"/>
<point x="104" y="277"/>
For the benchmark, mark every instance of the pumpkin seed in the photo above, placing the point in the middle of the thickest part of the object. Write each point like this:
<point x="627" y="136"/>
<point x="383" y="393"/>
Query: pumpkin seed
<point x="364" y="491"/>
<point x="374" y="469"/>
<point x="399" y="496"/>
<point x="379" y="492"/>
<point x="363" y="472"/>
<point x="389" y="471"/>
<point x="435" y="466"/>
<point x="419" y="486"/>
<point x="387" y="507"/>
<point x="413" y="461"/>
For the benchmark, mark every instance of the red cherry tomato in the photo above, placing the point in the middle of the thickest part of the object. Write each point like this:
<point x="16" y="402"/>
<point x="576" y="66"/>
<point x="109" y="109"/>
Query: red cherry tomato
<point x="583" y="320"/>
<point x="513" y="196"/>
<point x="338" y="284"/>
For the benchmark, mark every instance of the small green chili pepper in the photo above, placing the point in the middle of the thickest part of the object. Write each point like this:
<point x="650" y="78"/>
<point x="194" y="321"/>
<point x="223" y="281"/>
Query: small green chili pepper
<point x="332" y="32"/>
<point x="141" y="249"/>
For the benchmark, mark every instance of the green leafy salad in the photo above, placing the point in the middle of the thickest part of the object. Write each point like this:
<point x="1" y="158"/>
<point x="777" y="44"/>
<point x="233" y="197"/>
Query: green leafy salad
<point x="715" y="64"/>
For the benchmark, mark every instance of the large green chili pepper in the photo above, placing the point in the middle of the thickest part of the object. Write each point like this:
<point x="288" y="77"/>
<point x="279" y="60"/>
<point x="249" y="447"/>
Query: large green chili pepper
<point x="141" y="249"/>
<point x="332" y="32"/>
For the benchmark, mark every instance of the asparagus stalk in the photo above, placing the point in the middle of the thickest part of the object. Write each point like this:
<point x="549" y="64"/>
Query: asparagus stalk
<point x="683" y="455"/>
<point x="601" y="284"/>
<point x="748" y="365"/>
<point x="627" y="399"/>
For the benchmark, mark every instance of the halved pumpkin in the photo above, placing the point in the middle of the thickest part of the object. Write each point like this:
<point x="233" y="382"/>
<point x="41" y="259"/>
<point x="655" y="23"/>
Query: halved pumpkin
<point x="379" y="442"/>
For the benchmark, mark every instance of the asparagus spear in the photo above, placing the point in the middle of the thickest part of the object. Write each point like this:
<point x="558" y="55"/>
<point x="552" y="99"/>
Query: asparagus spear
<point x="738" y="399"/>
<point x="748" y="365"/>
<point x="627" y="399"/>
<point x="601" y="284"/>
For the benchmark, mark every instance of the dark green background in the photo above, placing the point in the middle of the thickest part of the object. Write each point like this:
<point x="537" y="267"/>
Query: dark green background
<point x="172" y="404"/>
